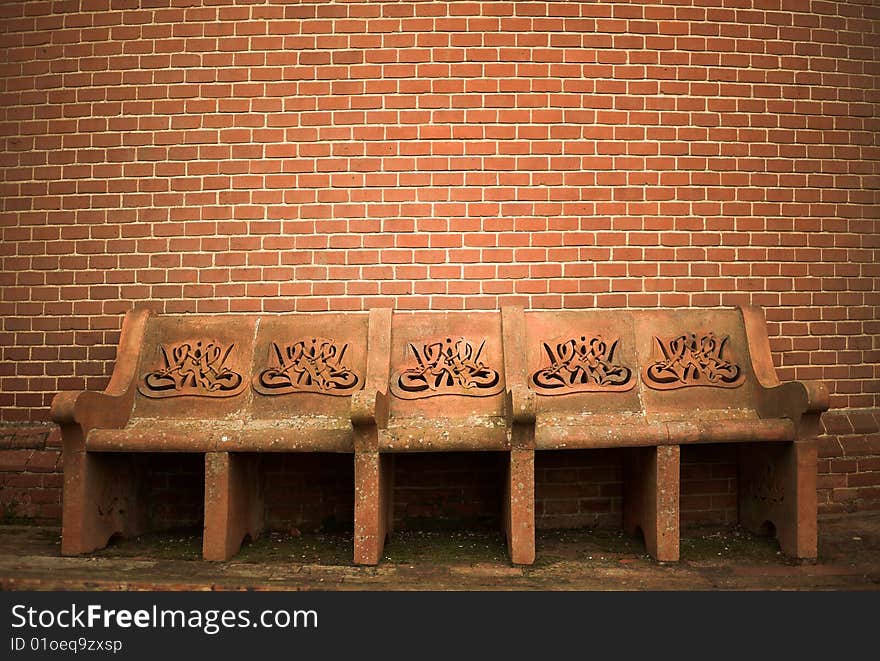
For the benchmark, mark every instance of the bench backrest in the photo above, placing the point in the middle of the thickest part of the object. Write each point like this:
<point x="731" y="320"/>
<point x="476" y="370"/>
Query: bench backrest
<point x="447" y="364"/>
<point x="243" y="366"/>
<point x="656" y="361"/>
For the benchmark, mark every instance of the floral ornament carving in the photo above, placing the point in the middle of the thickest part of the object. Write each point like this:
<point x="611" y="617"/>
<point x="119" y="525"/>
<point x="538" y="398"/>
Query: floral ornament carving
<point x="193" y="367"/>
<point x="308" y="365"/>
<point x="692" y="359"/>
<point x="450" y="366"/>
<point x="584" y="364"/>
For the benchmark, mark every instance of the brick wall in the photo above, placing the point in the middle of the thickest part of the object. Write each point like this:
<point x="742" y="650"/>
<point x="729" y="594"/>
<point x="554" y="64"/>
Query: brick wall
<point x="269" y="156"/>
<point x="30" y="473"/>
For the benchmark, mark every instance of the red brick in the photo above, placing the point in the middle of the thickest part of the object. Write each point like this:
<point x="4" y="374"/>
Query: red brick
<point x="630" y="154"/>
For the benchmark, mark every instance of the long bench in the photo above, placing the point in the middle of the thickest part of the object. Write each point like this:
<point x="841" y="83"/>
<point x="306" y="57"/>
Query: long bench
<point x="380" y="383"/>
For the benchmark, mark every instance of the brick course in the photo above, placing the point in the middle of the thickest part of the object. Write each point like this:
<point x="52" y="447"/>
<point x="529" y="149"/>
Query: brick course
<point x="209" y="156"/>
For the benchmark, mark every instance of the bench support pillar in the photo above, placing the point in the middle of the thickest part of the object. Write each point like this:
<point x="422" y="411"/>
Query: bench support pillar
<point x="519" y="507"/>
<point x="651" y="493"/>
<point x="233" y="503"/>
<point x="373" y="503"/>
<point x="777" y="485"/>
<point x="102" y="497"/>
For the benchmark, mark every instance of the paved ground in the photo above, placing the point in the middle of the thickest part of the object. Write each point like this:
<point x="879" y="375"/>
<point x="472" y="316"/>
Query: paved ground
<point x="849" y="559"/>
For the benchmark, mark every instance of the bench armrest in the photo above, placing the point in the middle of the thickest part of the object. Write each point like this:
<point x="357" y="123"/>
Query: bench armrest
<point x="802" y="402"/>
<point x="520" y="405"/>
<point x="79" y="412"/>
<point x="89" y="409"/>
<point x="369" y="409"/>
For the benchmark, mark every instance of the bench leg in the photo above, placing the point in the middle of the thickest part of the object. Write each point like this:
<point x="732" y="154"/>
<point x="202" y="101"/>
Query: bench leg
<point x="777" y="485"/>
<point x="101" y="498"/>
<point x="519" y="507"/>
<point x="373" y="503"/>
<point x="650" y="499"/>
<point x="233" y="503"/>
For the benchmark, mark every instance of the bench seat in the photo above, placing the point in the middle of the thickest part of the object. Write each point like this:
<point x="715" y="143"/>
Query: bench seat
<point x="554" y="432"/>
<point x="474" y="433"/>
<point x="315" y="434"/>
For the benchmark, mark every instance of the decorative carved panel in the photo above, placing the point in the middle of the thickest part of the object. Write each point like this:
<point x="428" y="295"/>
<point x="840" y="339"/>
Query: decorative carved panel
<point x="692" y="359"/>
<point x="450" y="366"/>
<point x="584" y="364"/>
<point x="309" y="365"/>
<point x="193" y="367"/>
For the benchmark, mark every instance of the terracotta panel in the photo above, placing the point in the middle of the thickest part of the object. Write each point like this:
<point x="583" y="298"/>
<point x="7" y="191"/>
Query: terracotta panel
<point x="195" y="367"/>
<point x="696" y="395"/>
<point x="308" y="365"/>
<point x="587" y="358"/>
<point x="446" y="364"/>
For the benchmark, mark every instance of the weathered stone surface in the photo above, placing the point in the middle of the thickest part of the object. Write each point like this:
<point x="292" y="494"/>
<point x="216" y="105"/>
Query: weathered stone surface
<point x="233" y="503"/>
<point x="777" y="493"/>
<point x="373" y="474"/>
<point x="381" y="383"/>
<point x="520" y="507"/>
<point x="651" y="492"/>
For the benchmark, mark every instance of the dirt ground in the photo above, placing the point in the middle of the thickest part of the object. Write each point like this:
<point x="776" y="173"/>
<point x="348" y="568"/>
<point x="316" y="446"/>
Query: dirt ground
<point x="849" y="559"/>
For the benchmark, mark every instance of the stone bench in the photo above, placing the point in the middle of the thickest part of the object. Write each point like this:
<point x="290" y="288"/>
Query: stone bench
<point x="654" y="380"/>
<point x="435" y="383"/>
<point x="228" y="387"/>
<point x="377" y="384"/>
